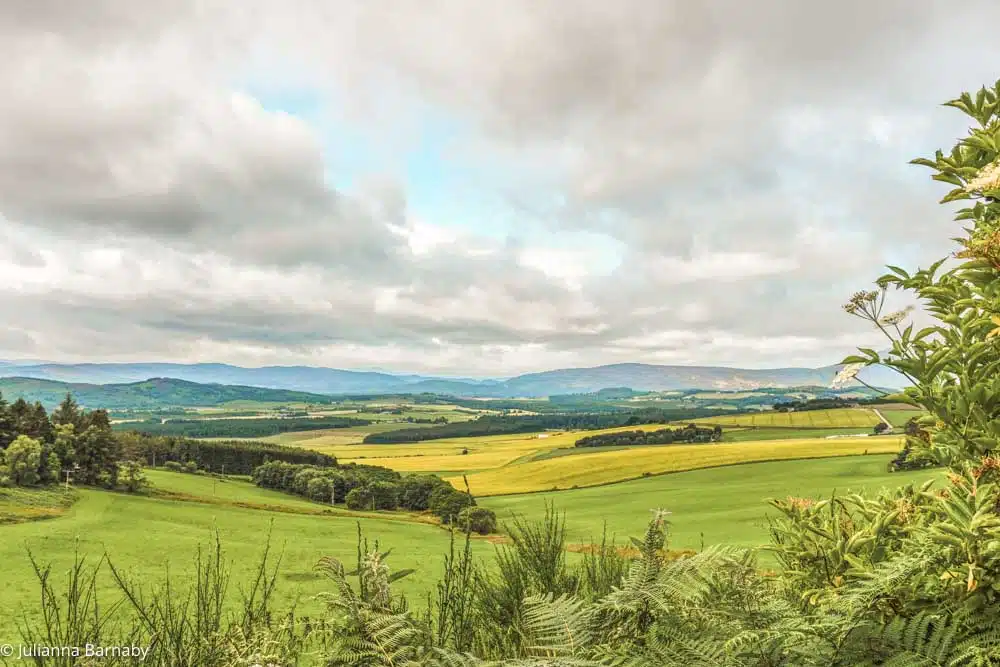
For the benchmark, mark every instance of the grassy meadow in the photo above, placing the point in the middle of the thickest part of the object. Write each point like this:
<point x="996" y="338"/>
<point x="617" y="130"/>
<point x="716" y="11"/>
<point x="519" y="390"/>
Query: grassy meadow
<point x="147" y="534"/>
<point x="720" y="505"/>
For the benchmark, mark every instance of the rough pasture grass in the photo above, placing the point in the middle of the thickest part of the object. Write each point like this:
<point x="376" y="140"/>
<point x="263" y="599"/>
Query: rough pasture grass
<point x="723" y="505"/>
<point x="19" y="504"/>
<point x="145" y="534"/>
<point x="614" y="466"/>
<point x="832" y="418"/>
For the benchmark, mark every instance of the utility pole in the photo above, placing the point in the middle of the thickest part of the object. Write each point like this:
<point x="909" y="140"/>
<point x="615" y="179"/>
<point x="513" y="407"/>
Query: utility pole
<point x="70" y="471"/>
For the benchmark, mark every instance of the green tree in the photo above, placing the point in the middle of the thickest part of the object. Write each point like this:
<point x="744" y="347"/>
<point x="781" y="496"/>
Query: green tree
<point x="64" y="445"/>
<point x="7" y="431"/>
<point x="97" y="455"/>
<point x="68" y="412"/>
<point x="23" y="458"/>
<point x="132" y="476"/>
<point x="320" y="489"/>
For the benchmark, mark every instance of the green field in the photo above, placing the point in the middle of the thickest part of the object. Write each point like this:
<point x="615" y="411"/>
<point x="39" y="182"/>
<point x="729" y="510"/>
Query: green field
<point x="898" y="418"/>
<point x="725" y="505"/>
<point x="145" y="534"/>
<point x="778" y="433"/>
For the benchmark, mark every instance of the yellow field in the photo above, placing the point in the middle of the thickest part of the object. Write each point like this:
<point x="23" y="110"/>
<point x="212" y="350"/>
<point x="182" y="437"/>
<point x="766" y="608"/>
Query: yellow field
<point x="591" y="469"/>
<point x="833" y="418"/>
<point x="439" y="455"/>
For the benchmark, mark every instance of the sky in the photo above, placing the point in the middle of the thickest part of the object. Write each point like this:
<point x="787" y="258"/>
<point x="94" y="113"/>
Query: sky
<point x="439" y="186"/>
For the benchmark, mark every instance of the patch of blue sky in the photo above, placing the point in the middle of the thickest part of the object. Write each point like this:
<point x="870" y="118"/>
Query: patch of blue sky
<point x="442" y="188"/>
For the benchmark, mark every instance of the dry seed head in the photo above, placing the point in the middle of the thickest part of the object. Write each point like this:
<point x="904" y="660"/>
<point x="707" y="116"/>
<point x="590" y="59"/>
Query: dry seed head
<point x="800" y="503"/>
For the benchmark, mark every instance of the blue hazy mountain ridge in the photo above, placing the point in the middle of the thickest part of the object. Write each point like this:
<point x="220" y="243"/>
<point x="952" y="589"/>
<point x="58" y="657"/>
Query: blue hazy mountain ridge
<point x="327" y="381"/>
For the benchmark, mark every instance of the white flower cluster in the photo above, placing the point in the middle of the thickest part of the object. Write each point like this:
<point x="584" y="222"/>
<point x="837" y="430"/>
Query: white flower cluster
<point x="897" y="317"/>
<point x="987" y="180"/>
<point x="846" y="375"/>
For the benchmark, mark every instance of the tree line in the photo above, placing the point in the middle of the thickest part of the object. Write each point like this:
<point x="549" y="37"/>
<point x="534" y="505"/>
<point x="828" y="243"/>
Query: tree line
<point x="231" y="457"/>
<point x="238" y="428"/>
<point x="363" y="487"/>
<point x="498" y="425"/>
<point x="664" y="436"/>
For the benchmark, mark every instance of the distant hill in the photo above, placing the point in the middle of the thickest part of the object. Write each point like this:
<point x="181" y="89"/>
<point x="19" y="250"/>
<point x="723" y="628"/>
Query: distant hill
<point x="148" y="394"/>
<point x="329" y="381"/>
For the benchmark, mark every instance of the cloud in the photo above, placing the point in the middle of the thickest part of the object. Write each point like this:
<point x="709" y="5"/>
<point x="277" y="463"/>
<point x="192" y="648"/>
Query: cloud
<point x="678" y="182"/>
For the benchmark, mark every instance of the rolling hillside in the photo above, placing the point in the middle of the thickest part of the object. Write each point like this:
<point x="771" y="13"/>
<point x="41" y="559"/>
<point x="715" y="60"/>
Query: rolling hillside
<point x="148" y="394"/>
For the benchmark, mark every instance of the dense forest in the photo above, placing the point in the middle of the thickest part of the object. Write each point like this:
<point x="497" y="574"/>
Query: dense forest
<point x="496" y="425"/>
<point x="234" y="457"/>
<point x="237" y="428"/>
<point x="663" y="436"/>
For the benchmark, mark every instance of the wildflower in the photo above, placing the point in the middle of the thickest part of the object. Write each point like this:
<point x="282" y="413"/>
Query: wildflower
<point x="897" y="317"/>
<point x="987" y="180"/>
<point x="846" y="375"/>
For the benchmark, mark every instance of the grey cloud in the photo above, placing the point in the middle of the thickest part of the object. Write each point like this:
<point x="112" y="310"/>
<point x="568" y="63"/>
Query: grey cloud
<point x="678" y="128"/>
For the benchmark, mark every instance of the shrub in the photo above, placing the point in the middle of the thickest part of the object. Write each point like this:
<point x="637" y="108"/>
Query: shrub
<point x="446" y="502"/>
<point x="190" y="466"/>
<point x="478" y="520"/>
<point x="173" y="466"/>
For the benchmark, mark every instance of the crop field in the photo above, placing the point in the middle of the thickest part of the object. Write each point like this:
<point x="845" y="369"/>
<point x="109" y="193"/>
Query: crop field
<point x="832" y="418"/>
<point x="777" y="433"/>
<point x="446" y="454"/>
<point x="613" y="466"/>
